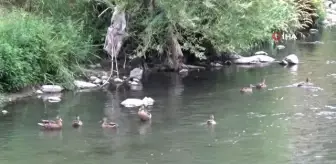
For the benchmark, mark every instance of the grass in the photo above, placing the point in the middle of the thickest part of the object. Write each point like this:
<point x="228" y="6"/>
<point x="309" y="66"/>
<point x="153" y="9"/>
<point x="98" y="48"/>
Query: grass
<point x="37" y="50"/>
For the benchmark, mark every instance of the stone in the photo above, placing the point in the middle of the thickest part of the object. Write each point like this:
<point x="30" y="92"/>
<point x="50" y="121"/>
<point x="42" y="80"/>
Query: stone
<point x="38" y="91"/>
<point x="93" y="78"/>
<point x="136" y="73"/>
<point x="118" y="80"/>
<point x="254" y="59"/>
<point x="216" y="64"/>
<point x="54" y="99"/>
<point x="291" y="59"/>
<point x="133" y="102"/>
<point x="280" y="47"/>
<point x="261" y="53"/>
<point x="104" y="77"/>
<point x="97" y="81"/>
<point x="83" y="84"/>
<point x="313" y="31"/>
<point x="183" y="70"/>
<point x="51" y="88"/>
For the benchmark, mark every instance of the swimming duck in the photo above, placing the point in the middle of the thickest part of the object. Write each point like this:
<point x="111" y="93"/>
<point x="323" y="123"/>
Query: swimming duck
<point x="52" y="125"/>
<point x="77" y="122"/>
<point x="143" y="114"/>
<point x="211" y="121"/>
<point x="305" y="83"/>
<point x="247" y="89"/>
<point x="106" y="124"/>
<point x="50" y="121"/>
<point x="261" y="85"/>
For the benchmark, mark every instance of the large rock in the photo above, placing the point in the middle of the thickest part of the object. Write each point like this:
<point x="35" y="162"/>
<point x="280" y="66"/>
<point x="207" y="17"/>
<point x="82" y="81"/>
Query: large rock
<point x="51" y="88"/>
<point x="136" y="73"/>
<point x="291" y="59"/>
<point x="254" y="59"/>
<point x="132" y="102"/>
<point x="84" y="85"/>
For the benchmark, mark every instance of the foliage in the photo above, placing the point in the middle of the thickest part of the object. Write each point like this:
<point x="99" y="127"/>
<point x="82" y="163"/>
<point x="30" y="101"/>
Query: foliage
<point x="37" y="50"/>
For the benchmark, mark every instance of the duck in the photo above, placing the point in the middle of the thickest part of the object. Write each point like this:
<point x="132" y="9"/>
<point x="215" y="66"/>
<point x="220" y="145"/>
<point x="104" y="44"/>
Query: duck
<point x="247" y="89"/>
<point x="307" y="82"/>
<point x="211" y="121"/>
<point x="77" y="122"/>
<point x="106" y="124"/>
<point x="143" y="114"/>
<point x="52" y="125"/>
<point x="50" y="121"/>
<point x="261" y="85"/>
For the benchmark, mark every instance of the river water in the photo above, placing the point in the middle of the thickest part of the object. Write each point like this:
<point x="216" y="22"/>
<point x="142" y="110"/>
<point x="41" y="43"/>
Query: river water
<point x="277" y="125"/>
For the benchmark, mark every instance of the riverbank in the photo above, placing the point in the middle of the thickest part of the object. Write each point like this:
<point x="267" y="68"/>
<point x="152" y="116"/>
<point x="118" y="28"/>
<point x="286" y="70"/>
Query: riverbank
<point x="58" y="39"/>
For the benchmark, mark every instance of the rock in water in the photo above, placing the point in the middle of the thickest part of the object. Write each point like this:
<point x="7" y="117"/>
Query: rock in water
<point x="4" y="112"/>
<point x="54" y="99"/>
<point x="84" y="85"/>
<point x="51" y="88"/>
<point x="313" y="31"/>
<point x="254" y="59"/>
<point x="118" y="80"/>
<point x="104" y="77"/>
<point x="280" y="47"/>
<point x="97" y="81"/>
<point x="38" y="91"/>
<point x="93" y="78"/>
<point x="148" y="101"/>
<point x="260" y="53"/>
<point x="132" y="102"/>
<point x="136" y="73"/>
<point x="291" y="59"/>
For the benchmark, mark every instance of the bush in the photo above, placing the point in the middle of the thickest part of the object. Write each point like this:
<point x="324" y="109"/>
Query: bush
<point x="37" y="50"/>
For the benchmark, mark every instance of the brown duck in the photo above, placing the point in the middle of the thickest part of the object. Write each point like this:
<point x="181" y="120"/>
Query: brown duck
<point x="143" y="114"/>
<point x="52" y="125"/>
<point x="107" y="124"/>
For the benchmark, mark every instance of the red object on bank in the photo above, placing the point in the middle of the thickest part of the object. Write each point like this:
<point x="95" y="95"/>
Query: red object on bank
<point x="276" y="36"/>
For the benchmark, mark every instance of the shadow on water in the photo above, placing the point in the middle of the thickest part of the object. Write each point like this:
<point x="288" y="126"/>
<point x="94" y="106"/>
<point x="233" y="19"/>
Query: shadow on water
<point x="278" y="124"/>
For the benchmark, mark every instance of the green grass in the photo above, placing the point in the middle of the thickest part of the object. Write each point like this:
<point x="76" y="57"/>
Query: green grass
<point x="35" y="50"/>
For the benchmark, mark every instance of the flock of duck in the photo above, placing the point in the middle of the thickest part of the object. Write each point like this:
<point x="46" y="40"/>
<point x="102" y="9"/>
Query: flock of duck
<point x="262" y="85"/>
<point x="57" y="124"/>
<point x="144" y="114"/>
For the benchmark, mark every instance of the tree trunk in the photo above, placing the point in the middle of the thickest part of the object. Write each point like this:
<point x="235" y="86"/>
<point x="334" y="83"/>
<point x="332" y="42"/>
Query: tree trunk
<point x="174" y="54"/>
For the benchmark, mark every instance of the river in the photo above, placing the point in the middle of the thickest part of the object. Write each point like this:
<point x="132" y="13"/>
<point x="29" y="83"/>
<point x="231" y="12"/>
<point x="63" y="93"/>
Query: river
<point x="272" y="126"/>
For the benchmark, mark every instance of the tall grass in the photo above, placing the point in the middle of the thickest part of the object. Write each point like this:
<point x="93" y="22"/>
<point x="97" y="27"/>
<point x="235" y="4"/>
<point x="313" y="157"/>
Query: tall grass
<point x="37" y="50"/>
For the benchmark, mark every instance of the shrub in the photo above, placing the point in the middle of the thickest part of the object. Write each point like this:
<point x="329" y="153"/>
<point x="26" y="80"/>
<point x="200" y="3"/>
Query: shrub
<point x="37" y="50"/>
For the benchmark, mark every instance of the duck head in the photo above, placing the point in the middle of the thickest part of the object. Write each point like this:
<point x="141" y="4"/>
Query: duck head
<point x="307" y="79"/>
<point x="251" y="86"/>
<point x="212" y="117"/>
<point x="77" y="118"/>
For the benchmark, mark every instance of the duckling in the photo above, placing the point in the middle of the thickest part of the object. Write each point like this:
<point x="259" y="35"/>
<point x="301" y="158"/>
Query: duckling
<point x="77" y="122"/>
<point x="106" y="124"/>
<point x="143" y="114"/>
<point x="261" y="85"/>
<point x="211" y="121"/>
<point x="247" y="89"/>
<point x="55" y="125"/>
<point x="304" y="83"/>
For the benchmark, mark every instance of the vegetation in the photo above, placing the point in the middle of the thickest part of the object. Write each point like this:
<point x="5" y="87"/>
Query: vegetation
<point x="46" y="41"/>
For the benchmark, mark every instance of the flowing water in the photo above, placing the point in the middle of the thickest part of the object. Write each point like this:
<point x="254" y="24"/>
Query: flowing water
<point x="277" y="125"/>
